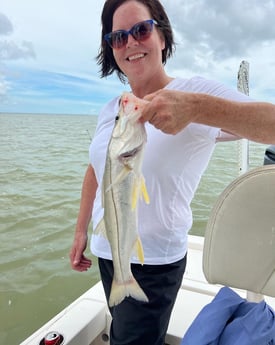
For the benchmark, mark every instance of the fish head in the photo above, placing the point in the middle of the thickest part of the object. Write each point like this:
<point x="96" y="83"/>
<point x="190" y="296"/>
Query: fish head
<point x="130" y="111"/>
<point x="129" y="135"/>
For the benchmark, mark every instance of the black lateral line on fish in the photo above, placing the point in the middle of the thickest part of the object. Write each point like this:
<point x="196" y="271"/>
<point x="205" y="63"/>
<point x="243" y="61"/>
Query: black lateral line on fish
<point x="119" y="258"/>
<point x="111" y="190"/>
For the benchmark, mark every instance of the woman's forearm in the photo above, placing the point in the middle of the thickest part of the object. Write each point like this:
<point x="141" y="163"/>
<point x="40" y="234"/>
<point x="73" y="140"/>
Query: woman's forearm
<point x="88" y="193"/>
<point x="252" y="120"/>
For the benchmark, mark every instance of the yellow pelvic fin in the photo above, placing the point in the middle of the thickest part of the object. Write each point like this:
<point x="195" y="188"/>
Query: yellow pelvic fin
<point x="139" y="251"/>
<point x="139" y="189"/>
<point x="144" y="191"/>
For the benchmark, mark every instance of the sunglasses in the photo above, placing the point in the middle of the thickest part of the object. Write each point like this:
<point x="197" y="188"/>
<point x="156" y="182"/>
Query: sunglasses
<point x="140" y="31"/>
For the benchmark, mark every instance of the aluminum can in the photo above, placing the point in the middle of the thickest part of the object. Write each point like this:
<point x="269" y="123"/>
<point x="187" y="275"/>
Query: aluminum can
<point x="52" y="338"/>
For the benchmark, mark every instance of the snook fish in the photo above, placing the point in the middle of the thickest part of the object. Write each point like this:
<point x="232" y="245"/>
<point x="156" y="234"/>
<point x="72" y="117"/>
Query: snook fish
<point x="123" y="185"/>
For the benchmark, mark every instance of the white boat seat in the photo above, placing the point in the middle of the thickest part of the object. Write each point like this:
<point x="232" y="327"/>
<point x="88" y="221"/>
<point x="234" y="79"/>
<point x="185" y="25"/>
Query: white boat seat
<point x="239" y="246"/>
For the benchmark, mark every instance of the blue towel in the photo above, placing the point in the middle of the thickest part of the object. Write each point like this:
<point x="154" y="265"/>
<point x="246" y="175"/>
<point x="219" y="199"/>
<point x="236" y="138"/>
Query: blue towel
<point x="231" y="320"/>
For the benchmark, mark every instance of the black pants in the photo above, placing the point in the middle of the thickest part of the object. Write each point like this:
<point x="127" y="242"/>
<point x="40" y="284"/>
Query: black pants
<point x="139" y="323"/>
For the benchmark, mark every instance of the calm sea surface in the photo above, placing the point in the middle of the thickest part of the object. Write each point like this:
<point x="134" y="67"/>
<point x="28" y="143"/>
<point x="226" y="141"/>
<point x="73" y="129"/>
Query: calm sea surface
<point x="43" y="159"/>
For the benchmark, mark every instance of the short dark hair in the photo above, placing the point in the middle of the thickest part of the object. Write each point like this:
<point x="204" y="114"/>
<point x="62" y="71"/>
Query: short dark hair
<point x="105" y="57"/>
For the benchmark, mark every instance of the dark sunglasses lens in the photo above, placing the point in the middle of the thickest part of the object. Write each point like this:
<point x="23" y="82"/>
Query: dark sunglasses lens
<point x="142" y="31"/>
<point x="118" y="39"/>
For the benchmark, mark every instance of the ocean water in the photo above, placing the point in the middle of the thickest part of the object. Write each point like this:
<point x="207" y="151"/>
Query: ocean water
<point x="43" y="159"/>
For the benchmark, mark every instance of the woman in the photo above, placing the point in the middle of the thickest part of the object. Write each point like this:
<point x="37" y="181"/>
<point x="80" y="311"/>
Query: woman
<point x="136" y="42"/>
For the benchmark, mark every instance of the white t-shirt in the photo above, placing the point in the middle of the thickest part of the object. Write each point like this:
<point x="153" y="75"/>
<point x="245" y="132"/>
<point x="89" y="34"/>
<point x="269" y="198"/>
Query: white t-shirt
<point x="172" y="168"/>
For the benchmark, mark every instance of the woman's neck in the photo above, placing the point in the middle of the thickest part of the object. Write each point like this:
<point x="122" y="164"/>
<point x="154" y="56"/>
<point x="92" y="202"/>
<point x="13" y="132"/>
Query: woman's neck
<point x="143" y="88"/>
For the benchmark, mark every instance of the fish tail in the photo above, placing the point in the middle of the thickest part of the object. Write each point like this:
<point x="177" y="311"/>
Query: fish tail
<point x="120" y="291"/>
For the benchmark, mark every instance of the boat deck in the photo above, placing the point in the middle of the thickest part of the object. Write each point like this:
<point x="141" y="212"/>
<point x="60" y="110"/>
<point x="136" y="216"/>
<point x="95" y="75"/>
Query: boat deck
<point x="86" y="321"/>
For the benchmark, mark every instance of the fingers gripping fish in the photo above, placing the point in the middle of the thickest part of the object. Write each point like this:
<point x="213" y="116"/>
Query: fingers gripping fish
<point x="123" y="185"/>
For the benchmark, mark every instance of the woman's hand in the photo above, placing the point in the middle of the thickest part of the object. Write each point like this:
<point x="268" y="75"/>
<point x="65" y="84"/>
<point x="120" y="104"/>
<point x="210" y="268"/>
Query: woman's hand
<point x="170" y="110"/>
<point x="79" y="261"/>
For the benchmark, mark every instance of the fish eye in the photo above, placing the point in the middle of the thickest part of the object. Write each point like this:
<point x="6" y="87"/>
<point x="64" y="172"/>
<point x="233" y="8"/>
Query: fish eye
<point x="117" y="118"/>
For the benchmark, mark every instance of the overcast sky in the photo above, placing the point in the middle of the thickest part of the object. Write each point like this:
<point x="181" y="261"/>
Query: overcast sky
<point x="48" y="49"/>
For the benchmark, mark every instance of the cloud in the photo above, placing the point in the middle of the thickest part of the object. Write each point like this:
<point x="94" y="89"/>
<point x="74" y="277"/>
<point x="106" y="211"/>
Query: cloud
<point x="5" y="25"/>
<point x="212" y="31"/>
<point x="41" y="91"/>
<point x="48" y="49"/>
<point x="10" y="50"/>
<point x="4" y="88"/>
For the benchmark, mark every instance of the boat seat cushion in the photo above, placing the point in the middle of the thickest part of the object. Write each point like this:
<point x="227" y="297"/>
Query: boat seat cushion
<point x="239" y="247"/>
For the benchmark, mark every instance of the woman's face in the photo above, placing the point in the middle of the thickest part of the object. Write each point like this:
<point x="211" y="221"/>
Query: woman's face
<point x="139" y="60"/>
